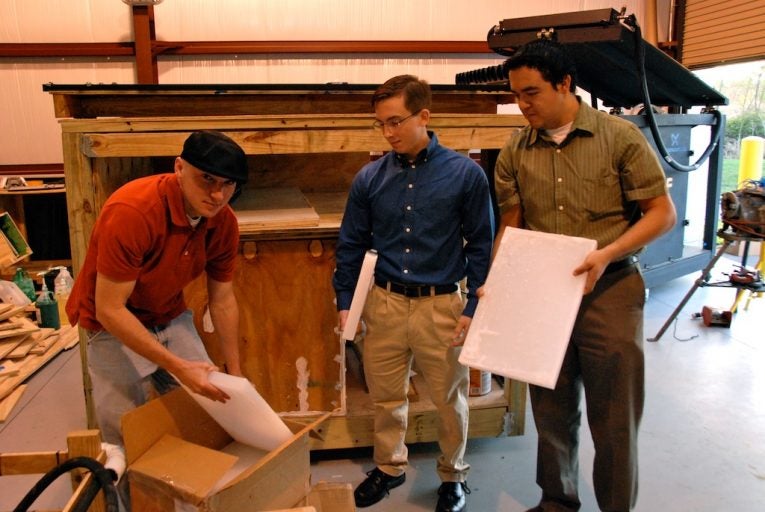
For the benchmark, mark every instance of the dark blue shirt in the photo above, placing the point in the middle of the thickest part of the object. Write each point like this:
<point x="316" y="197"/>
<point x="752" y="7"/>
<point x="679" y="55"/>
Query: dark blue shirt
<point x="416" y="216"/>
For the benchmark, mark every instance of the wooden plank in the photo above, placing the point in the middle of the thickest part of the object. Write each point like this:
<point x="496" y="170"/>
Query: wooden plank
<point x="515" y="396"/>
<point x="30" y="463"/>
<point x="210" y="103"/>
<point x="10" y="324"/>
<point x="231" y="124"/>
<point x="8" y="344"/>
<point x="27" y="367"/>
<point x="31" y="343"/>
<point x="9" y="402"/>
<point x="81" y="206"/>
<point x="26" y="327"/>
<point x="22" y="349"/>
<point x="85" y="443"/>
<point x="11" y="312"/>
<point x="282" y="142"/>
<point x="69" y="335"/>
<point x="7" y="370"/>
<point x="42" y="346"/>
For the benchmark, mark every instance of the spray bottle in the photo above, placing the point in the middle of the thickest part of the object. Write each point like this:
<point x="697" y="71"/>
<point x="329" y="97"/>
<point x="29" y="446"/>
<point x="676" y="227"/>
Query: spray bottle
<point x="62" y="287"/>
<point x="46" y="303"/>
<point x="25" y="283"/>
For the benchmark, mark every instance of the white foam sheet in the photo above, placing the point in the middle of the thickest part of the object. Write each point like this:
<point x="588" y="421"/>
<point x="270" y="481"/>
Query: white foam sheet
<point x="364" y="283"/>
<point x="246" y="417"/>
<point x="523" y="323"/>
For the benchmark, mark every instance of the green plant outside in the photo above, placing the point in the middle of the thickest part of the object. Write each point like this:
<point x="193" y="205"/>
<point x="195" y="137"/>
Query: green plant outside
<point x="730" y="174"/>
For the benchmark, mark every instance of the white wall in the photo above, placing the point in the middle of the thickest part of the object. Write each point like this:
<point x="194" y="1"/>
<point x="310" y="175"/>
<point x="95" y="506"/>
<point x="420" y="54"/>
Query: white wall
<point x="29" y="133"/>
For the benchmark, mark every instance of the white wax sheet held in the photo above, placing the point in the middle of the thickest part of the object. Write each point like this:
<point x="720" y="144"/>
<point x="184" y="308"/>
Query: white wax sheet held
<point x="366" y="276"/>
<point x="246" y="417"/>
<point x="523" y="323"/>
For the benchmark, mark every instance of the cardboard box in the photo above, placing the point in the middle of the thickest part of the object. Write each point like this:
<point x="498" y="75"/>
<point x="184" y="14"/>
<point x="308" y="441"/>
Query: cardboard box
<point x="177" y="455"/>
<point x="331" y="497"/>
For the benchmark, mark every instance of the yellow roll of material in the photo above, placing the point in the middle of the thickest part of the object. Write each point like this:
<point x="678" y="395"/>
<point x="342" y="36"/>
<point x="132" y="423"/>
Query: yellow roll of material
<point x="750" y="161"/>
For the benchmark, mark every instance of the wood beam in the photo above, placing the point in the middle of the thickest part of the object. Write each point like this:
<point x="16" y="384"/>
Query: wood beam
<point x="43" y="50"/>
<point x="48" y="50"/>
<point x="30" y="169"/>
<point x="145" y="37"/>
<point x="320" y="47"/>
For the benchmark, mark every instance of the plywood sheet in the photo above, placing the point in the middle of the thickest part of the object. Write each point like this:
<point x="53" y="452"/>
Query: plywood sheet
<point x="274" y="208"/>
<point x="291" y="352"/>
<point x="523" y="322"/>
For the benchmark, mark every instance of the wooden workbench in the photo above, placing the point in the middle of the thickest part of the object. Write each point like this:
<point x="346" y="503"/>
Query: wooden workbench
<point x="311" y="138"/>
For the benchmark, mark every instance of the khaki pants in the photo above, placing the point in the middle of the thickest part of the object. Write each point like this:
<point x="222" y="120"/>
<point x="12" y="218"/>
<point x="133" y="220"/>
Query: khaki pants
<point x="400" y="329"/>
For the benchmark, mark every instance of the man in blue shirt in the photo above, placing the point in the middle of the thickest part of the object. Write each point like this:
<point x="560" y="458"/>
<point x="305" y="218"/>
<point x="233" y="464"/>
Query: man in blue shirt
<point x="427" y="212"/>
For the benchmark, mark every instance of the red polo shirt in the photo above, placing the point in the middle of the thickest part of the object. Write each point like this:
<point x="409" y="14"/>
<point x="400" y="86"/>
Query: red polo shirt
<point x="143" y="235"/>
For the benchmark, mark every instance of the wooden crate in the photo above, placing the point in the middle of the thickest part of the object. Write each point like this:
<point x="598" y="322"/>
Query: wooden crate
<point x="315" y="143"/>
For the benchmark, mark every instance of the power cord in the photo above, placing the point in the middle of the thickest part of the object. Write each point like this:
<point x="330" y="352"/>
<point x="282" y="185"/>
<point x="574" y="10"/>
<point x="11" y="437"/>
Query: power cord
<point x="652" y="124"/>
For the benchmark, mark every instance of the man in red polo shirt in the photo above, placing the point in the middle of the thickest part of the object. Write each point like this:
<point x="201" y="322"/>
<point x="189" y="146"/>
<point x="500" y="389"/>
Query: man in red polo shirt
<point x="153" y="237"/>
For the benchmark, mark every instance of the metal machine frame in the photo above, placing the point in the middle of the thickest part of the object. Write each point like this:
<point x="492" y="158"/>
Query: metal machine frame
<point x="618" y="68"/>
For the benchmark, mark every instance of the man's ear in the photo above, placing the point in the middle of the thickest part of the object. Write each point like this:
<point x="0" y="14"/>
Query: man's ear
<point x="425" y="115"/>
<point x="565" y="84"/>
<point x="178" y="166"/>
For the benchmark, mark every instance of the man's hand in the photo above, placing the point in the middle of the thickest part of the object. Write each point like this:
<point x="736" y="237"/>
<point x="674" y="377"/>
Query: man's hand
<point x="594" y="265"/>
<point x="460" y="332"/>
<point x="342" y="317"/>
<point x="195" y="376"/>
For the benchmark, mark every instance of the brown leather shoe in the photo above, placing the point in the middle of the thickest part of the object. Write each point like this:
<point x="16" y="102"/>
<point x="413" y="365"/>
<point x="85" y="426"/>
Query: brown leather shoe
<point x="376" y="487"/>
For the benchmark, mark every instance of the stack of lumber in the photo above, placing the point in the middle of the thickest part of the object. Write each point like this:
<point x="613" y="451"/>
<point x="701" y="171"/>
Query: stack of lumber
<point x="24" y="349"/>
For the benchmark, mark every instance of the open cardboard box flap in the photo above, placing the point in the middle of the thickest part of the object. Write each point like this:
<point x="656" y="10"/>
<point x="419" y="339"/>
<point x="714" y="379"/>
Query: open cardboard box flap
<point x="160" y="464"/>
<point x="173" y="448"/>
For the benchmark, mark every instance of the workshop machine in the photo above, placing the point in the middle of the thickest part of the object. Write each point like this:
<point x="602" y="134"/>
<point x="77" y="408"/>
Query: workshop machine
<point x="616" y="66"/>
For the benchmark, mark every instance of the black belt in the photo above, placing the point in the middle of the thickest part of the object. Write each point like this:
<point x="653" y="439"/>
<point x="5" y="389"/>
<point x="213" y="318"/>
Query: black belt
<point x="620" y="264"/>
<point x="416" y="290"/>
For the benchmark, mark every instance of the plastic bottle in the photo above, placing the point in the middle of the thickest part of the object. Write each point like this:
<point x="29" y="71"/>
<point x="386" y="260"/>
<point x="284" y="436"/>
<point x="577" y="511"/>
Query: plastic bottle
<point x="25" y="283"/>
<point x="62" y="288"/>
<point x="48" y="307"/>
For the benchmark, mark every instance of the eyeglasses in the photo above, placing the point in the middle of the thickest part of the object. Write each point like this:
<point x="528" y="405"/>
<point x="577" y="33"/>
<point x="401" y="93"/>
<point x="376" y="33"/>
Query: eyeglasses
<point x="393" y="123"/>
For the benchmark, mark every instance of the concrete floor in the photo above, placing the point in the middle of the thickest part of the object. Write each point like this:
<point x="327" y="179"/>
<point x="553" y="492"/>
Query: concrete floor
<point x="702" y="444"/>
